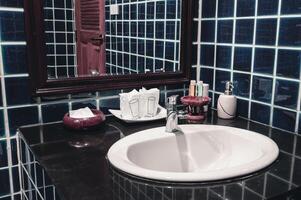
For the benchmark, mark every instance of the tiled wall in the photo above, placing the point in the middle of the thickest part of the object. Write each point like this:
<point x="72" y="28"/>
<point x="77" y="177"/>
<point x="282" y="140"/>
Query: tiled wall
<point x="262" y="56"/>
<point x="257" y="45"/>
<point x="60" y="38"/>
<point x="143" y="37"/>
<point x="17" y="107"/>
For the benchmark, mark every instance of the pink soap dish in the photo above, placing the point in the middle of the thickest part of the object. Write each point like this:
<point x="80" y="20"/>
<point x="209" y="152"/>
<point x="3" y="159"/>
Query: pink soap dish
<point x="84" y="123"/>
<point x="195" y="108"/>
<point x="195" y="101"/>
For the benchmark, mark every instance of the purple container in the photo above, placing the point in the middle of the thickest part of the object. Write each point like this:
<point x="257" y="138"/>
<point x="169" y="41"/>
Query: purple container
<point x="84" y="123"/>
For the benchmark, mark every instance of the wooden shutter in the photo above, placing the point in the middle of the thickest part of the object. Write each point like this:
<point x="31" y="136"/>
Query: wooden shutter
<point x="89" y="10"/>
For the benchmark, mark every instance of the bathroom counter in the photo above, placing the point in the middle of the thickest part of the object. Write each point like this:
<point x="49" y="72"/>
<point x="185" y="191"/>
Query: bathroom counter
<point x="76" y="164"/>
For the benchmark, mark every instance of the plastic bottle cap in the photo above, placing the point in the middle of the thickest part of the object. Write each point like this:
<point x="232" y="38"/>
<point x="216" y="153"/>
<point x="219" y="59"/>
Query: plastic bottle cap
<point x="192" y="82"/>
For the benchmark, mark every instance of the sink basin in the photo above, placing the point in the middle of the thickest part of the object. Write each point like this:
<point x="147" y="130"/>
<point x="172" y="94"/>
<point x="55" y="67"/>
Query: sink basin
<point x="200" y="153"/>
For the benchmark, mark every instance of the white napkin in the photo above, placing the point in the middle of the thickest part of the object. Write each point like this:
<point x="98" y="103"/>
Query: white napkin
<point x="134" y="105"/>
<point x="149" y="102"/>
<point x="81" y="113"/>
<point x="129" y="104"/>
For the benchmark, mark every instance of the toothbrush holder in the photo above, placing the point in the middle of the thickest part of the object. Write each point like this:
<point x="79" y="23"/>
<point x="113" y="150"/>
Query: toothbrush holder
<point x="195" y="108"/>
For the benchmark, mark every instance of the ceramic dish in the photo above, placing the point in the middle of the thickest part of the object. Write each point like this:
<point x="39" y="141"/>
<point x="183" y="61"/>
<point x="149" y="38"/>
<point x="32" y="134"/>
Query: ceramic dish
<point x="161" y="114"/>
<point x="84" y="123"/>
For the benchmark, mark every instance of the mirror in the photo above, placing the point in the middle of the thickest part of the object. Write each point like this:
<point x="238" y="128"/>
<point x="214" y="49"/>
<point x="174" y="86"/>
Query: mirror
<point x="100" y="38"/>
<point x="73" y="44"/>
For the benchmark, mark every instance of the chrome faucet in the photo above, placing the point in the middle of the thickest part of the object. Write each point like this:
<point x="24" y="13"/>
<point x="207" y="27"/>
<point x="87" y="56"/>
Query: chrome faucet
<point x="172" y="115"/>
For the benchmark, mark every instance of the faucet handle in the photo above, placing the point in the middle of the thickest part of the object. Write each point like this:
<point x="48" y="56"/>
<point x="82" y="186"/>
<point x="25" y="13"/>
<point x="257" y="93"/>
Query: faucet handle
<point x="172" y="100"/>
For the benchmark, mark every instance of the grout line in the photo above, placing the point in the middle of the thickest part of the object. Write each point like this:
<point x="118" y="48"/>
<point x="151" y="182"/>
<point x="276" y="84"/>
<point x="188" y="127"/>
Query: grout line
<point x="252" y="45"/>
<point x="6" y="125"/>
<point x="275" y="65"/>
<point x="11" y="9"/>
<point x="253" y="61"/>
<point x="198" y="66"/>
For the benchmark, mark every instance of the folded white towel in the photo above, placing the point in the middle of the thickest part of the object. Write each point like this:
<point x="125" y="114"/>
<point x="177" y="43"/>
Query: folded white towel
<point x="129" y="104"/>
<point x="81" y="113"/>
<point x="149" y="102"/>
<point x="134" y="105"/>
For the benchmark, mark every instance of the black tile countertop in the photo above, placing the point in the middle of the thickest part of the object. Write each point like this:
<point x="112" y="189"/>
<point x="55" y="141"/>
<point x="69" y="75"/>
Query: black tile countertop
<point x="76" y="164"/>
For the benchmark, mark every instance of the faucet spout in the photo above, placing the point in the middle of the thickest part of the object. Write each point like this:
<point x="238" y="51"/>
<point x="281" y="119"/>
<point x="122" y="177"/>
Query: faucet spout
<point x="172" y="122"/>
<point x="172" y="115"/>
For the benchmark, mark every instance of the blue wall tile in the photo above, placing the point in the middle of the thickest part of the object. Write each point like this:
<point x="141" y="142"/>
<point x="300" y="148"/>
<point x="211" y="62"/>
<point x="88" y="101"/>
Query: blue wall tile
<point x="4" y="182"/>
<point x="22" y="116"/>
<point x="223" y="57"/>
<point x="244" y="31"/>
<point x="208" y="8"/>
<point x="14" y="59"/>
<point x="267" y="7"/>
<point x="245" y="8"/>
<point x="241" y="84"/>
<point x="18" y="91"/>
<point x="12" y="3"/>
<point x="290" y="7"/>
<point x="284" y="119"/>
<point x="290" y="30"/>
<point x="54" y="112"/>
<point x="262" y="89"/>
<point x="289" y="63"/>
<point x="208" y="30"/>
<point x="12" y="26"/>
<point x="243" y="108"/>
<point x="271" y="68"/>
<point x="207" y="76"/>
<point x="3" y="154"/>
<point x="224" y="31"/>
<point x="225" y="8"/>
<point x="207" y="55"/>
<point x="264" y="61"/>
<point x="221" y="78"/>
<point x="286" y="94"/>
<point x="2" y="127"/>
<point x="260" y="113"/>
<point x="242" y="58"/>
<point x="266" y="31"/>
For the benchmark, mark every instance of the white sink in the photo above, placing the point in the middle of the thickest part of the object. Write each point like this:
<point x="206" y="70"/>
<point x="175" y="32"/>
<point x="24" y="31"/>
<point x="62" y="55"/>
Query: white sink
<point x="200" y="153"/>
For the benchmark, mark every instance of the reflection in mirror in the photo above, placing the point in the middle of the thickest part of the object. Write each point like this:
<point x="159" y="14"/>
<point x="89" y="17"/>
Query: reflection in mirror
<point x="100" y="38"/>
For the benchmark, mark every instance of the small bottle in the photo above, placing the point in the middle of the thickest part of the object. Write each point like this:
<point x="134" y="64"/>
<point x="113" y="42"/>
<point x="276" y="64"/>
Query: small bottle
<point x="192" y="87"/>
<point x="227" y="102"/>
<point x="199" y="87"/>
<point x="205" y="94"/>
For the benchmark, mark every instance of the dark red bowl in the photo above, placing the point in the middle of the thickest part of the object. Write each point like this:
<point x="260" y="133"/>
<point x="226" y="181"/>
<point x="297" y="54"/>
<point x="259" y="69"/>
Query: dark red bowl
<point x="84" y="123"/>
<point x="195" y="101"/>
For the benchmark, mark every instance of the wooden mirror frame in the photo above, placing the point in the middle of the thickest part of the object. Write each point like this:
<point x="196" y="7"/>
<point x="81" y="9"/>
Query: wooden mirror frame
<point x="42" y="86"/>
